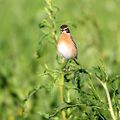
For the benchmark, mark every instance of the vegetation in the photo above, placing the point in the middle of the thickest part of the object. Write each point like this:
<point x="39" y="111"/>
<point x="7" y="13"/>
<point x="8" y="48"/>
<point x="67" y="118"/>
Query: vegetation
<point x="33" y="83"/>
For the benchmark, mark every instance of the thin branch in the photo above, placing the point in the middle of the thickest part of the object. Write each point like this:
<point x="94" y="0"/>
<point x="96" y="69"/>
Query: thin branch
<point x="69" y="106"/>
<point x="109" y="100"/>
<point x="65" y="107"/>
<point x="104" y="84"/>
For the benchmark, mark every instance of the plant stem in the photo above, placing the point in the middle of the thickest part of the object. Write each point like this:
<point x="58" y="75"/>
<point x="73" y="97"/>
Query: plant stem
<point x="104" y="84"/>
<point x="61" y="92"/>
<point x="70" y="106"/>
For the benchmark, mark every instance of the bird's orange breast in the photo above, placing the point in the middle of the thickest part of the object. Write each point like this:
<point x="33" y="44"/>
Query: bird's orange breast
<point x="66" y="39"/>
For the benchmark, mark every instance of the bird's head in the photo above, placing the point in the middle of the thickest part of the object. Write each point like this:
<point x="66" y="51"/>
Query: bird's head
<point x="64" y="28"/>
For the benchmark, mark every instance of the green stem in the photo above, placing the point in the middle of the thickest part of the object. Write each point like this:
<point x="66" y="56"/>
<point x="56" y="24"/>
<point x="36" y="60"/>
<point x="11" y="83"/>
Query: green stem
<point x="61" y="93"/>
<point x="95" y="92"/>
<point x="70" y="106"/>
<point x="68" y="100"/>
<point x="104" y="84"/>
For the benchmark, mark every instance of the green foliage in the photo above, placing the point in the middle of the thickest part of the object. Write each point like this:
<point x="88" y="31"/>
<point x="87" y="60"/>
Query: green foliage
<point x="33" y="82"/>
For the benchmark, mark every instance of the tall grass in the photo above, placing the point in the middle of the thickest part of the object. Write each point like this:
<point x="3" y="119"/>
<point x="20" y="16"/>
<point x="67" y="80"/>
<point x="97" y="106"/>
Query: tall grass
<point x="83" y="93"/>
<point x="89" y="91"/>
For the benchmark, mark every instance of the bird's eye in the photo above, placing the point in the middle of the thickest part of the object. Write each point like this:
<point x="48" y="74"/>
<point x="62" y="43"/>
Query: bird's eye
<point x="67" y="30"/>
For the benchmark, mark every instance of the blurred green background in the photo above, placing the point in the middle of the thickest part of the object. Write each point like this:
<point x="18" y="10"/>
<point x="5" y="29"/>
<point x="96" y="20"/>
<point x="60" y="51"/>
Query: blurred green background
<point x="94" y="26"/>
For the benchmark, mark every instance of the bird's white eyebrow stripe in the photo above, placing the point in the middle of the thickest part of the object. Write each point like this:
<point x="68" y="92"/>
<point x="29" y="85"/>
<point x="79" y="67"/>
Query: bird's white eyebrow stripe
<point x="64" y="28"/>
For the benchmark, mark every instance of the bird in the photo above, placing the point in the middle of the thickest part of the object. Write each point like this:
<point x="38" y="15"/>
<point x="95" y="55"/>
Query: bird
<point x="66" y="46"/>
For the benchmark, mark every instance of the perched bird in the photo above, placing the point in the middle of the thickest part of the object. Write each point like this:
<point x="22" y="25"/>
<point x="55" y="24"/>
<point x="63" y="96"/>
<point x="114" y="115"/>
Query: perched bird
<point x="66" y="45"/>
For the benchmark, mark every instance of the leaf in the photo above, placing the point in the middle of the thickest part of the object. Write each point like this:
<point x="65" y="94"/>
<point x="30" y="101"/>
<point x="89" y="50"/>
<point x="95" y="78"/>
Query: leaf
<point x="45" y="115"/>
<point x="44" y="24"/>
<point x="100" y="73"/>
<point x="113" y="78"/>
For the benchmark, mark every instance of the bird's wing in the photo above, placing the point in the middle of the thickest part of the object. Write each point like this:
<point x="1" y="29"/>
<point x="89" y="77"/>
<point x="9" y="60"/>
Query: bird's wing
<point x="73" y="42"/>
<point x="75" y="46"/>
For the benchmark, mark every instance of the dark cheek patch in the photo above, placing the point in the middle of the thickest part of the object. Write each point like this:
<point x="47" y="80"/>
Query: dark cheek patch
<point x="68" y="31"/>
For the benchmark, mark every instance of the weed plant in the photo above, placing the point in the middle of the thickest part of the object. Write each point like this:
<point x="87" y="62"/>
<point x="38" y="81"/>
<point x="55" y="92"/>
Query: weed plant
<point x="82" y="93"/>
<point x="38" y="87"/>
